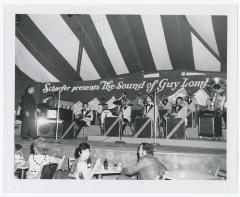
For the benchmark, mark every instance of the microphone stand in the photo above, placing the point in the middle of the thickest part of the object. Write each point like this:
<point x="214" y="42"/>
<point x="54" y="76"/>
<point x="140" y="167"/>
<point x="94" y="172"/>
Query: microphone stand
<point x="58" y="105"/>
<point x="120" y="131"/>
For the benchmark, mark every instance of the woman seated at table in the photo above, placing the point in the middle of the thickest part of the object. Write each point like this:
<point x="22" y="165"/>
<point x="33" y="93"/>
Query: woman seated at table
<point x="79" y="169"/>
<point x="18" y="157"/>
<point x="38" y="158"/>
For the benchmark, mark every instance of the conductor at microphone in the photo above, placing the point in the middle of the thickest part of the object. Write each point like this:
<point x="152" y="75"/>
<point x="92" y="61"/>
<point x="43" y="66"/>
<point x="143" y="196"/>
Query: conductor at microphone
<point x="28" y="108"/>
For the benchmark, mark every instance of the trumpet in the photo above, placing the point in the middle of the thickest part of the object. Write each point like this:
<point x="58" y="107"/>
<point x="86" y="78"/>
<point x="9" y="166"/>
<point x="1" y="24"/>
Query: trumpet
<point x="218" y="85"/>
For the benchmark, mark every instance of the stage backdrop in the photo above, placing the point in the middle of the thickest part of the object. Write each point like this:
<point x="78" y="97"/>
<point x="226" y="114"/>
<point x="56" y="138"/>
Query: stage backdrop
<point x="167" y="83"/>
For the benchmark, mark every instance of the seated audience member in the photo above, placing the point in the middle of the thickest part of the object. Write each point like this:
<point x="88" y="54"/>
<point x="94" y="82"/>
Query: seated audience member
<point x="18" y="157"/>
<point x="147" y="167"/>
<point x="38" y="158"/>
<point x="79" y="169"/>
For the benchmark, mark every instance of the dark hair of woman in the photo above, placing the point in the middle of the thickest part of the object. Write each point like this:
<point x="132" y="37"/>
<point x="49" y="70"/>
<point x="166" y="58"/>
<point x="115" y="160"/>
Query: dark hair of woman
<point x="80" y="148"/>
<point x="18" y="147"/>
<point x="32" y="149"/>
<point x="148" y="148"/>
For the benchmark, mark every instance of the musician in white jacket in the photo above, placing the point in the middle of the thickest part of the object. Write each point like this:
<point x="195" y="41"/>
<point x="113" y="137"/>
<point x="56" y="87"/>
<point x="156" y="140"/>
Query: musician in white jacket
<point x="84" y="118"/>
<point x="148" y="112"/>
<point x="149" y="109"/>
<point x="180" y="109"/>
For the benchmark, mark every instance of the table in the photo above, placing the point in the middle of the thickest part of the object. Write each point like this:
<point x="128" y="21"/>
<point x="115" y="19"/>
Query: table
<point x="110" y="171"/>
<point x="189" y="175"/>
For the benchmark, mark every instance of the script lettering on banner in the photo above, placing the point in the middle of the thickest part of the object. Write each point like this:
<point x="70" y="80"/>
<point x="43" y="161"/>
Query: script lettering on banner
<point x="87" y="90"/>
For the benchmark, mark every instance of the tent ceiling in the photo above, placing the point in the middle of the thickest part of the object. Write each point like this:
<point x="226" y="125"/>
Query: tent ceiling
<point x="47" y="46"/>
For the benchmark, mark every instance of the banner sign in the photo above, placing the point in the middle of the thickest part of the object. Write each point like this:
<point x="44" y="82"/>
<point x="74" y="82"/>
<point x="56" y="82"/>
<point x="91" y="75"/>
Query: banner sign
<point x="87" y="90"/>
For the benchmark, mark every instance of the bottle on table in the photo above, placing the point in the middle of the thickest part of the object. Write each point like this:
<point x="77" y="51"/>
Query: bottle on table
<point x="115" y="165"/>
<point x="119" y="167"/>
<point x="89" y="163"/>
<point x="105" y="164"/>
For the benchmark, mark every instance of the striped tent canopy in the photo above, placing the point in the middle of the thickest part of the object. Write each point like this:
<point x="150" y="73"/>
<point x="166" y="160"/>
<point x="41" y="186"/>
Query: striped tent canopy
<point x="61" y="48"/>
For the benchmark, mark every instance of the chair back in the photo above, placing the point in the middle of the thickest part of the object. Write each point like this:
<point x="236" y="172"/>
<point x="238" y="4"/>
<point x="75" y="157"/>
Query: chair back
<point x="70" y="162"/>
<point x="164" y="176"/>
<point x="60" y="163"/>
<point x="221" y="173"/>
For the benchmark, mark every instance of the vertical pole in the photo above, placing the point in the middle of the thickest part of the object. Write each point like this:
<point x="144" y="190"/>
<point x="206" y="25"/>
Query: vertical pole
<point x="155" y="129"/>
<point x="155" y="119"/>
<point x="58" y="105"/>
<point x="80" y="51"/>
<point x="79" y="61"/>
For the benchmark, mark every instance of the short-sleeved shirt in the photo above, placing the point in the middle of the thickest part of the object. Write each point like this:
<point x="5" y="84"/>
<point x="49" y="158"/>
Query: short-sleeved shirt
<point x="77" y="168"/>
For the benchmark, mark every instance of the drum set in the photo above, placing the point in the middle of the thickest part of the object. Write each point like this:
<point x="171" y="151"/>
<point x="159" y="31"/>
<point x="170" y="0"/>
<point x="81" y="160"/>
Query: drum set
<point x="113" y="112"/>
<point x="117" y="112"/>
<point x="107" y="113"/>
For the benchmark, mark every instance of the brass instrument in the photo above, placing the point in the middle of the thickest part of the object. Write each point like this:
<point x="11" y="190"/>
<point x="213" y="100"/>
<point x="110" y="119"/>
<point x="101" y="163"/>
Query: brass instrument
<point x="217" y="86"/>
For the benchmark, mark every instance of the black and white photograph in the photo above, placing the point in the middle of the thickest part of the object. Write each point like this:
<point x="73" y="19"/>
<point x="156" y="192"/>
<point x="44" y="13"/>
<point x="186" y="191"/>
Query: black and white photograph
<point x="105" y="96"/>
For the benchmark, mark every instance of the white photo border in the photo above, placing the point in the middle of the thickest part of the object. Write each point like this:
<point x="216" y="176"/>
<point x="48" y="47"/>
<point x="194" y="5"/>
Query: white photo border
<point x="69" y="186"/>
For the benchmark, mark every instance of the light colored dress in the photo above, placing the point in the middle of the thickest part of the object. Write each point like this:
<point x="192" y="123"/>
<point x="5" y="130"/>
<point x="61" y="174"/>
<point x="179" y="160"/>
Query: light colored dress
<point x="35" y="164"/>
<point x="78" y="167"/>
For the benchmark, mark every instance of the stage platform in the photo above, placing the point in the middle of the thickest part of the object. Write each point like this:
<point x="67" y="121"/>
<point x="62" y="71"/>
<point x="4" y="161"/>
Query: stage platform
<point x="174" y="154"/>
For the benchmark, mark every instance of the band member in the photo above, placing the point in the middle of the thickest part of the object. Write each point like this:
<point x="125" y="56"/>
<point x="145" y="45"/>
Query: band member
<point x="180" y="109"/>
<point x="28" y="109"/>
<point x="125" y="114"/>
<point x="210" y="102"/>
<point x="165" y="103"/>
<point x="141" y="101"/>
<point x="84" y="118"/>
<point x="149" y="108"/>
<point x="193" y="107"/>
<point x="165" y="110"/>
<point x="218" y="107"/>
<point x="123" y="98"/>
<point x="219" y="102"/>
<point x="216" y="102"/>
<point x="224" y="115"/>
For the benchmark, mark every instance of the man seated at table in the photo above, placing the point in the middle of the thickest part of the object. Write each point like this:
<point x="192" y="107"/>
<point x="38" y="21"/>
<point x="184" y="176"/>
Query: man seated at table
<point x="147" y="167"/>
